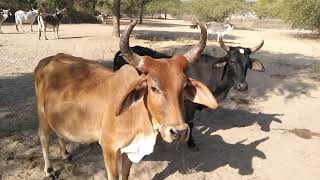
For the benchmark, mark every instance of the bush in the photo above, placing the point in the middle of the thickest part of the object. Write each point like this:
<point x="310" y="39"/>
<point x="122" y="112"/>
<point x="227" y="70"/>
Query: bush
<point x="72" y="16"/>
<point x="300" y="13"/>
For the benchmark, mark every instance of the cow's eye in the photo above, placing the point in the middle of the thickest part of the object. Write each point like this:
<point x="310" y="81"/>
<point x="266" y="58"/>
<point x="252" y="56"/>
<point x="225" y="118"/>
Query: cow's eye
<point x="155" y="90"/>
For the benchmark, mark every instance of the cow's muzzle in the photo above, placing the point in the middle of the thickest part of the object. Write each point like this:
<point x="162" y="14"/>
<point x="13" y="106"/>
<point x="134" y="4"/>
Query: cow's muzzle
<point x="179" y="134"/>
<point x="241" y="86"/>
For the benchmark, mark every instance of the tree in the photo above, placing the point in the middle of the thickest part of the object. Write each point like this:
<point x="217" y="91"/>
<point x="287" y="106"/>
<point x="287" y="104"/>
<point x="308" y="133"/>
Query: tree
<point x="300" y="13"/>
<point x="116" y="18"/>
<point x="163" y="7"/>
<point x="215" y="10"/>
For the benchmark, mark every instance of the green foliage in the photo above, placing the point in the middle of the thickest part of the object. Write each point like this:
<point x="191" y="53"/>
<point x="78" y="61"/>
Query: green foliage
<point x="17" y="4"/>
<point x="164" y="6"/>
<point x="214" y="10"/>
<point x="300" y="13"/>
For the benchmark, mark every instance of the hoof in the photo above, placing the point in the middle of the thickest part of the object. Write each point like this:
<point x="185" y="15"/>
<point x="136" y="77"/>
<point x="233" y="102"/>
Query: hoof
<point x="67" y="156"/>
<point x="50" y="174"/>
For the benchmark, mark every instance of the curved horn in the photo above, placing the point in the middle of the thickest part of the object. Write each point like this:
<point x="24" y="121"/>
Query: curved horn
<point x="193" y="54"/>
<point x="255" y="49"/>
<point x="222" y="45"/>
<point x="127" y="53"/>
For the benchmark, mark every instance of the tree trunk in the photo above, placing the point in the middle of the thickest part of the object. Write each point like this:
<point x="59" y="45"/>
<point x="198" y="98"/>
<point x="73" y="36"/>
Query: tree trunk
<point x="141" y="11"/>
<point x="116" y="18"/>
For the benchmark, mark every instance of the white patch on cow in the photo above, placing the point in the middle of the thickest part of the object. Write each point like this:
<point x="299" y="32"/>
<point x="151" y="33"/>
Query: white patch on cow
<point x="241" y="51"/>
<point x="139" y="147"/>
<point x="141" y="63"/>
<point x="120" y="54"/>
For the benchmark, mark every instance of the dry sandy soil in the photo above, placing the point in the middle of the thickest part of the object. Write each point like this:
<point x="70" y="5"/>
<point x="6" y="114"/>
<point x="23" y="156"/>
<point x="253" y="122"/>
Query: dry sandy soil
<point x="270" y="132"/>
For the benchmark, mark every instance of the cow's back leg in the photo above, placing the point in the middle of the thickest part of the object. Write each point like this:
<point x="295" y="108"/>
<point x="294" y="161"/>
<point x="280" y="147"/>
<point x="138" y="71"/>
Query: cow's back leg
<point x="0" y="27"/>
<point x="63" y="150"/>
<point x="44" y="133"/>
<point x="45" y="32"/>
<point x="126" y="166"/>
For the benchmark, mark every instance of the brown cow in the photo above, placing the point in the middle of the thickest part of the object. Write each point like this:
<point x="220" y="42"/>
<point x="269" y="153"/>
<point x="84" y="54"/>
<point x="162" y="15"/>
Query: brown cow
<point x="84" y="102"/>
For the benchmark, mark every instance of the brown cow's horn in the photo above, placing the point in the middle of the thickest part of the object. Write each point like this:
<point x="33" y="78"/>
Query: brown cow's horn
<point x="222" y="45"/>
<point x="196" y="51"/>
<point x="127" y="53"/>
<point x="255" y="49"/>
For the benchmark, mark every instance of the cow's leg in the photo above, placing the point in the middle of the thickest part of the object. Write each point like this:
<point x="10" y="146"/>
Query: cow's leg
<point x="63" y="150"/>
<point x="39" y="32"/>
<point x="190" y="110"/>
<point x="31" y="26"/>
<point x="58" y="32"/>
<point x="0" y="28"/>
<point x="44" y="31"/>
<point x="218" y="37"/>
<point x="54" y="32"/>
<point x="44" y="133"/>
<point x="21" y="25"/>
<point x="126" y="165"/>
<point x="110" y="161"/>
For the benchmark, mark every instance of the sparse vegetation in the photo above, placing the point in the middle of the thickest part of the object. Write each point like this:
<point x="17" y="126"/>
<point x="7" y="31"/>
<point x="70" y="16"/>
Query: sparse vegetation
<point x="300" y="13"/>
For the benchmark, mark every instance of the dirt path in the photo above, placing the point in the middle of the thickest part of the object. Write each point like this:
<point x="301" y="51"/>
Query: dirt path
<point x="270" y="132"/>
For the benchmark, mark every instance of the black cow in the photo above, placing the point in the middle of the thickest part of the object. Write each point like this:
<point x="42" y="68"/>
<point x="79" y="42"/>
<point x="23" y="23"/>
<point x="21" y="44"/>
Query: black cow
<point x="142" y="51"/>
<point x="219" y="74"/>
<point x="50" y="21"/>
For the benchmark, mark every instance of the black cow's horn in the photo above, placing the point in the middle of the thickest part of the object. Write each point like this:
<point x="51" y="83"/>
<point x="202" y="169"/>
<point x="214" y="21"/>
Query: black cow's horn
<point x="222" y="45"/>
<point x="193" y="54"/>
<point x="127" y="53"/>
<point x="253" y="50"/>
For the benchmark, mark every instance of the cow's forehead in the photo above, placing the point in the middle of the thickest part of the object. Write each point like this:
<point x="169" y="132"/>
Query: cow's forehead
<point x="166" y="72"/>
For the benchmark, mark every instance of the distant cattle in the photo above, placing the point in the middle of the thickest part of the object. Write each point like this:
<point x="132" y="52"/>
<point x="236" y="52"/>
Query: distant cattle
<point x="103" y="17"/>
<point x="25" y="17"/>
<point x="4" y="14"/>
<point x="218" y="73"/>
<point x="50" y="21"/>
<point x="83" y="101"/>
<point x="219" y="28"/>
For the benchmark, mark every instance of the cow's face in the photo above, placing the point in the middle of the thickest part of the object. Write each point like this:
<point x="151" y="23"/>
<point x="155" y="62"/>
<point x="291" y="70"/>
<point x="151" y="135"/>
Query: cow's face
<point x="60" y="12"/>
<point x="164" y="87"/>
<point x="238" y="61"/>
<point x="7" y="12"/>
<point x="36" y="11"/>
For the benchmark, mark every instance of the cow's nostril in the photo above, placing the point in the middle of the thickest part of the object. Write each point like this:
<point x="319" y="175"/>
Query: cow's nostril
<point x="174" y="134"/>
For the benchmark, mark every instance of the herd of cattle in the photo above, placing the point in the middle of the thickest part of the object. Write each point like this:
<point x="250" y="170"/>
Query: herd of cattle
<point x="83" y="101"/>
<point x="45" y="20"/>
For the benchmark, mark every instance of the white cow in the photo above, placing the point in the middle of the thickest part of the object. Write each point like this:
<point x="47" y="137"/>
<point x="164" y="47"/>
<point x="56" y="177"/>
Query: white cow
<point x="219" y="29"/>
<point x="4" y="14"/>
<point x="103" y="17"/>
<point x="26" y="17"/>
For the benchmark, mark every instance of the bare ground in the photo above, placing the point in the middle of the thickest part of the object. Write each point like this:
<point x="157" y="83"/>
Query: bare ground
<point x="270" y="132"/>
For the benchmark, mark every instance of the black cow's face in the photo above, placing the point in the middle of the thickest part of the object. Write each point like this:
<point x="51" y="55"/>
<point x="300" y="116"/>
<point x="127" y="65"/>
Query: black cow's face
<point x="238" y="61"/>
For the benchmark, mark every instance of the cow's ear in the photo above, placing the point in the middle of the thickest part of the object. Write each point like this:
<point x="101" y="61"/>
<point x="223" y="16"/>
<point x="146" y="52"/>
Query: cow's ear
<point x="135" y="92"/>
<point x="256" y="65"/>
<point x="199" y="93"/>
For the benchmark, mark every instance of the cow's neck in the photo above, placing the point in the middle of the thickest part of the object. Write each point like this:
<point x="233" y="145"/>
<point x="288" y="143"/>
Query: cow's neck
<point x="145" y="137"/>
<point x="225" y="85"/>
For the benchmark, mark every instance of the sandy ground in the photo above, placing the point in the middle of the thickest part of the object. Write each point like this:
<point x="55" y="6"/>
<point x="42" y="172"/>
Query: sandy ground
<point x="270" y="132"/>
